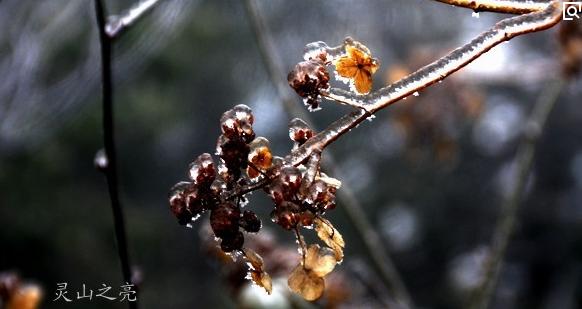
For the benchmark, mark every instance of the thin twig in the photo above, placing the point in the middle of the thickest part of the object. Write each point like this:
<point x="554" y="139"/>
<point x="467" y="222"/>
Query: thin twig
<point x="510" y="205"/>
<point x="110" y="168"/>
<point x="118" y="24"/>
<point x="350" y="204"/>
<point x="499" y="6"/>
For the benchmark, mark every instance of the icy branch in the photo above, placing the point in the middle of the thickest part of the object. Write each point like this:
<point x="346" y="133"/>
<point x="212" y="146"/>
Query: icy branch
<point x="426" y="76"/>
<point x="500" y="6"/>
<point x="117" y="24"/>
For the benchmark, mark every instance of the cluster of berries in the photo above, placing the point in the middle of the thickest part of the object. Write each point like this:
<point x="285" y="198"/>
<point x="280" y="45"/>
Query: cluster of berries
<point x="209" y="186"/>
<point x="309" y="78"/>
<point x="246" y="164"/>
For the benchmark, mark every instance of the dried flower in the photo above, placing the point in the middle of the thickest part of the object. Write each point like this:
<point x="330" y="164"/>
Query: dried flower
<point x="357" y="67"/>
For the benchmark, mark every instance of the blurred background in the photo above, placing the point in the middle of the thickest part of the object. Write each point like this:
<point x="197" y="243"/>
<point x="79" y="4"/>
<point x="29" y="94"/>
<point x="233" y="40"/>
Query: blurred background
<point x="430" y="172"/>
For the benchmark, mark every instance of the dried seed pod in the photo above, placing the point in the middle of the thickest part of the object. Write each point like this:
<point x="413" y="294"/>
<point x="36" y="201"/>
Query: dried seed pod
<point x="320" y="260"/>
<point x="178" y="205"/>
<point x="309" y="79"/>
<point x="286" y="215"/>
<point x="250" y="222"/>
<point x="306" y="218"/>
<point x="202" y="170"/>
<point x="224" y="220"/>
<point x="237" y="123"/>
<point x="234" y="153"/>
<point x="321" y="196"/>
<point x="306" y="283"/>
<point x="299" y="131"/>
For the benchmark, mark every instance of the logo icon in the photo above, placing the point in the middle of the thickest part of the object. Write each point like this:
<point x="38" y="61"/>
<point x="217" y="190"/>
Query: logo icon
<point x="571" y="10"/>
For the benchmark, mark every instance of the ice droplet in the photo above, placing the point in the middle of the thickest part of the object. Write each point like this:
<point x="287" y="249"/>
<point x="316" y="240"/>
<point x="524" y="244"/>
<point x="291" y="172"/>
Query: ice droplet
<point x="475" y="14"/>
<point x="101" y="162"/>
<point x="416" y="94"/>
<point x="371" y="117"/>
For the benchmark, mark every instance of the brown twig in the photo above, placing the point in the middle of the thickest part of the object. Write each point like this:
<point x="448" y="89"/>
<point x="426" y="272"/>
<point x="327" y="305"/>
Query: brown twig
<point x="510" y="205"/>
<point x="499" y="6"/>
<point x="109" y="166"/>
<point x="117" y="25"/>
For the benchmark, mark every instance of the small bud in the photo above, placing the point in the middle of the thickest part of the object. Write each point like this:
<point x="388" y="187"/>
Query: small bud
<point x="299" y="131"/>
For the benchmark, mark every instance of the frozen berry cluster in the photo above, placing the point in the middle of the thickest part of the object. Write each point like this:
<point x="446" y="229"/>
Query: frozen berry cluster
<point x="309" y="78"/>
<point x="245" y="164"/>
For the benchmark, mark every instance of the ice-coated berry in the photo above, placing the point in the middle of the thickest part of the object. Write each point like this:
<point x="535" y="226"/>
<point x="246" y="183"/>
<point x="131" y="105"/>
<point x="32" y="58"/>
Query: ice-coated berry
<point x="232" y="242"/>
<point x="299" y="131"/>
<point x="224" y="219"/>
<point x="250" y="222"/>
<point x="202" y="170"/>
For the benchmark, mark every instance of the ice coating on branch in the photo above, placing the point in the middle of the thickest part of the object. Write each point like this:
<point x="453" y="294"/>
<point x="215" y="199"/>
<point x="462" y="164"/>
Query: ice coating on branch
<point x="426" y="76"/>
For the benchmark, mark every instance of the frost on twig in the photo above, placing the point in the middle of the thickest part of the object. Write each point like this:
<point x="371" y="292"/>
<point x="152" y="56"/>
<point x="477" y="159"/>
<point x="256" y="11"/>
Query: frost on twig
<point x="424" y="77"/>
<point x="117" y="24"/>
<point x="499" y="6"/>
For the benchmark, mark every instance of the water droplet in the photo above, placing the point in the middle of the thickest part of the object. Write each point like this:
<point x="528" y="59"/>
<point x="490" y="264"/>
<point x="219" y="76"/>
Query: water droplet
<point x="101" y="162"/>
<point x="416" y="94"/>
<point x="475" y="14"/>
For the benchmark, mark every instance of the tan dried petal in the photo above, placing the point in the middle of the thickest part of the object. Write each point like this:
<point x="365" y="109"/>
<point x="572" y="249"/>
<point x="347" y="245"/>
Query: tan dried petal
<point x="306" y="283"/>
<point x="254" y="259"/>
<point x="320" y="261"/>
<point x="263" y="280"/>
<point x="330" y="236"/>
<point x="259" y="276"/>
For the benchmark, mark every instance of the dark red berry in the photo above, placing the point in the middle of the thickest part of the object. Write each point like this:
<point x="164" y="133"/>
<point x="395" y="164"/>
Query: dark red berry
<point x="224" y="219"/>
<point x="250" y="222"/>
<point x="177" y="201"/>
<point x="232" y="242"/>
<point x="299" y="131"/>
<point x="202" y="170"/>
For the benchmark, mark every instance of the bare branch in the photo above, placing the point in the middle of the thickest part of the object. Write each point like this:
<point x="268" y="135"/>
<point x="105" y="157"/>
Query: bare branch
<point x="426" y="76"/>
<point x="109" y="165"/>
<point x="118" y="24"/>
<point x="500" y="6"/>
<point x="506" y="222"/>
